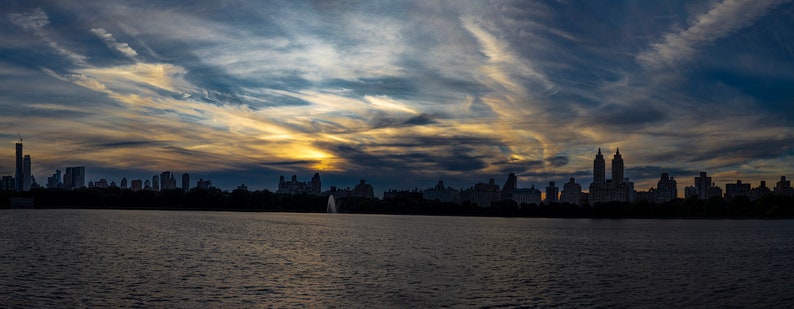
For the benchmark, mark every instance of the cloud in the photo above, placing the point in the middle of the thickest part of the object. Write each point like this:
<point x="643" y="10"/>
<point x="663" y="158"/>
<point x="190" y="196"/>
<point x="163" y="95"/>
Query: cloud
<point x="726" y="17"/>
<point x="35" y="21"/>
<point x="396" y="92"/>
<point x="123" y="48"/>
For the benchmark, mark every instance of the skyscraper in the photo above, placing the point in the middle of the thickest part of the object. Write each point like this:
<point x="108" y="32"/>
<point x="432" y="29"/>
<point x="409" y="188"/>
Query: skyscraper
<point x="185" y="182"/>
<point x="617" y="168"/>
<point x="316" y="185"/>
<point x="26" y="180"/>
<point x="54" y="182"/>
<point x="74" y="178"/>
<point x="167" y="181"/>
<point x="155" y="183"/>
<point x="552" y="192"/>
<point x="20" y="174"/>
<point x="616" y="189"/>
<point x="123" y="182"/>
<point x="164" y="177"/>
<point x="136" y="185"/>
<point x="599" y="168"/>
<point x="703" y="185"/>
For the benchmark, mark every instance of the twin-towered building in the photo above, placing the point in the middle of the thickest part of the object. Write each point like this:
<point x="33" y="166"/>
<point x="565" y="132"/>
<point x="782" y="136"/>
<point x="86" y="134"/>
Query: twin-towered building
<point x="601" y="190"/>
<point x="617" y="189"/>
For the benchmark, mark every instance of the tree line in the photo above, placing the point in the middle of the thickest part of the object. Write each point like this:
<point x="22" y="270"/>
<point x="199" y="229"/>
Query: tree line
<point x="770" y="206"/>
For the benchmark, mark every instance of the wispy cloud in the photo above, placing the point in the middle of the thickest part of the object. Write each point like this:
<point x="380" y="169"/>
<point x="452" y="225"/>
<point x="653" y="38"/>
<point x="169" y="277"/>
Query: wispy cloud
<point x="35" y="21"/>
<point x="122" y="48"/>
<point x="400" y="91"/>
<point x="678" y="47"/>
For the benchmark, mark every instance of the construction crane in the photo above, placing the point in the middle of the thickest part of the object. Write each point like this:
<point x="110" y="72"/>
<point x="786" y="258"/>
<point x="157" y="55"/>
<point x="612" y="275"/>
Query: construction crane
<point x="20" y="136"/>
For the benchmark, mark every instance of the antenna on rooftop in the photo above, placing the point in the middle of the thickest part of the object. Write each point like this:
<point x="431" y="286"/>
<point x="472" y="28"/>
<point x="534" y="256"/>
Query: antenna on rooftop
<point x="20" y="136"/>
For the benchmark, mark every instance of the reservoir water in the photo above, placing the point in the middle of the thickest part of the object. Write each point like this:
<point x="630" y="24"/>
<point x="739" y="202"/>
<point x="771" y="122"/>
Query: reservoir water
<point x="130" y="258"/>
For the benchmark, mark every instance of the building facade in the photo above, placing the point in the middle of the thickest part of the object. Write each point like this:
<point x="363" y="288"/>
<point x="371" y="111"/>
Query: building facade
<point x="604" y="190"/>
<point x="74" y="177"/>
<point x="528" y="196"/>
<point x="442" y="194"/>
<point x="294" y="186"/>
<point x="734" y="190"/>
<point x="783" y="187"/>
<point x="510" y="185"/>
<point x="666" y="189"/>
<point x="552" y="193"/>
<point x="185" y="182"/>
<point x="483" y="194"/>
<point x="571" y="192"/>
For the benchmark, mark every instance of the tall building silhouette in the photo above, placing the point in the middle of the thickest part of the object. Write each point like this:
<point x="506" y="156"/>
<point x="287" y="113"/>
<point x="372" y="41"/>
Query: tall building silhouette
<point x="612" y="190"/>
<point x="316" y="184"/>
<point x="54" y="181"/>
<point x="26" y="177"/>
<point x="552" y="192"/>
<point x="164" y="177"/>
<point x="20" y="169"/>
<point x="599" y="168"/>
<point x="167" y="181"/>
<point x="136" y="185"/>
<point x="617" y="168"/>
<point x="155" y="183"/>
<point x="185" y="182"/>
<point x="74" y="178"/>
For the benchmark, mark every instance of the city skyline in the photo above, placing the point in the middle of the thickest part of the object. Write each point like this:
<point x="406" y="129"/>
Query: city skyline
<point x="400" y="94"/>
<point x="601" y="190"/>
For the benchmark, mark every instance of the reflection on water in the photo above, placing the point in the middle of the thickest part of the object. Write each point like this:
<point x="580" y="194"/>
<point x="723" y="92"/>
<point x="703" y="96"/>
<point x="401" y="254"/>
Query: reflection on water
<point x="68" y="258"/>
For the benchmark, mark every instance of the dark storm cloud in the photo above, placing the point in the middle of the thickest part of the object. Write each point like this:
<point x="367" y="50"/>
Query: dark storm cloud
<point x="558" y="161"/>
<point x="454" y="160"/>
<point x="127" y="144"/>
<point x="384" y="120"/>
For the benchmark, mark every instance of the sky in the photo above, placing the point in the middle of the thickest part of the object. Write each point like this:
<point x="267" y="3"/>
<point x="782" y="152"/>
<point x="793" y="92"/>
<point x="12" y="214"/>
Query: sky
<point x="400" y="93"/>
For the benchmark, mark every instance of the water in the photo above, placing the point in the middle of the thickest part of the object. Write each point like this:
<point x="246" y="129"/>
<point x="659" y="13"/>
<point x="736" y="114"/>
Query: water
<point x="117" y="258"/>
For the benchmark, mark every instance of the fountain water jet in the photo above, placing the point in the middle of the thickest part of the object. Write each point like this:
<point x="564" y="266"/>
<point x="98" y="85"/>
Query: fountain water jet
<point x="331" y="208"/>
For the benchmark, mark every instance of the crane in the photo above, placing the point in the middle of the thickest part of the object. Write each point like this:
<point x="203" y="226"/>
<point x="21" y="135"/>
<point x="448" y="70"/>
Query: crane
<point x="20" y="136"/>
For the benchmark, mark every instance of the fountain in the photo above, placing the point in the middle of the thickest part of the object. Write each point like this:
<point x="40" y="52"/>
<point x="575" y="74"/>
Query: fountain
<point x="331" y="205"/>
